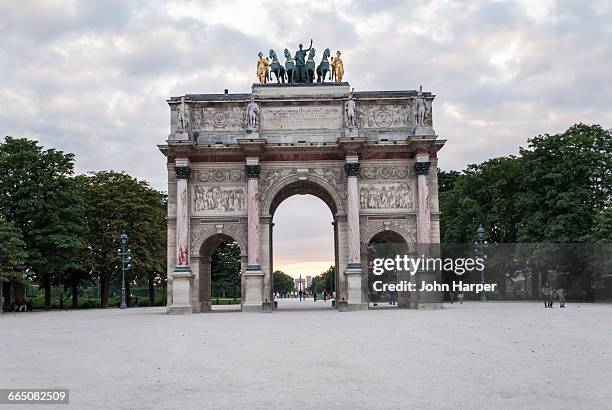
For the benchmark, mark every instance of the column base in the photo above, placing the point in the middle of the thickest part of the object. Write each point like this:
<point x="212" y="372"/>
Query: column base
<point x="429" y="305"/>
<point x="179" y="310"/>
<point x="353" y="285"/>
<point x="253" y="295"/>
<point x="203" y="307"/>
<point x="357" y="306"/>
<point x="182" y="283"/>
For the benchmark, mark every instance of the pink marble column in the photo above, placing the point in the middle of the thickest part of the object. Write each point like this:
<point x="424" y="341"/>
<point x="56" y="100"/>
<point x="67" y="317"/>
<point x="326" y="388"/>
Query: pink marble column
<point x="352" y="172"/>
<point x="182" y="217"/>
<point x="424" y="205"/>
<point x="252" y="174"/>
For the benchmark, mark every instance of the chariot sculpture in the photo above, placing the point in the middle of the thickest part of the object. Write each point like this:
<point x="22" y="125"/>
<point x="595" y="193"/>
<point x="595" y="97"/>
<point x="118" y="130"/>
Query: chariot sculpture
<point x="301" y="67"/>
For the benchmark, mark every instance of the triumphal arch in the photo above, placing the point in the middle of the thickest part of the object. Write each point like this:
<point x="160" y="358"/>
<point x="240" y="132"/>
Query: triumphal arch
<point x="233" y="158"/>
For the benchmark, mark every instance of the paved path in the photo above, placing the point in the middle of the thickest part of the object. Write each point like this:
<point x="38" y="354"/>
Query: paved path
<point x="493" y="355"/>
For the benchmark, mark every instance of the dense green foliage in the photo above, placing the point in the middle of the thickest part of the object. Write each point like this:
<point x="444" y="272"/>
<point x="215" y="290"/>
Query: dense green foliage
<point x="225" y="270"/>
<point x="325" y="281"/>
<point x="558" y="190"/>
<point x="283" y="283"/>
<point x="116" y="203"/>
<point x="12" y="252"/>
<point x="39" y="196"/>
<point x="69" y="225"/>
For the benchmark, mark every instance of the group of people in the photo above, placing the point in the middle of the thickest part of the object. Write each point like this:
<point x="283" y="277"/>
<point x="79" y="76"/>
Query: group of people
<point x="550" y="294"/>
<point x="302" y="295"/>
<point x="19" y="306"/>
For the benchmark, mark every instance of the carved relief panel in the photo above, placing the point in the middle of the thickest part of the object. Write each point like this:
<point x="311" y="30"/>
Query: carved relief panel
<point x="386" y="196"/>
<point x="391" y="172"/>
<point x="333" y="176"/>
<point x="218" y="191"/>
<point x="218" y="199"/>
<point x="384" y="116"/>
<point x="217" y="119"/>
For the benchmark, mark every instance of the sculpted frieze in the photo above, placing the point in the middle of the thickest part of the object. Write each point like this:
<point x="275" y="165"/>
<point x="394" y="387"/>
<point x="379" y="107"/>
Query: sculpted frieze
<point x="269" y="177"/>
<point x="218" y="119"/>
<point x="218" y="199"/>
<point x="218" y="175"/>
<point x="384" y="116"/>
<point x="386" y="196"/>
<point x="386" y="172"/>
<point x="200" y="232"/>
<point x="333" y="176"/>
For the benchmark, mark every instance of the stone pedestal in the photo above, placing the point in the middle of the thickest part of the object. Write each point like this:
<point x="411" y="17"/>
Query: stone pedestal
<point x="181" y="136"/>
<point x="182" y="283"/>
<point x="253" y="294"/>
<point x="424" y="131"/>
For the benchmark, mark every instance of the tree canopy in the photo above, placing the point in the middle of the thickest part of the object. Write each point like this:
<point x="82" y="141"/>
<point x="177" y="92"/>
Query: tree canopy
<point x="282" y="282"/>
<point x="557" y="190"/>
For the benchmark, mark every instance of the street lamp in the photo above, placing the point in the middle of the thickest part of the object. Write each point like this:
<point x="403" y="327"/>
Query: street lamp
<point x="126" y="261"/>
<point x="480" y="235"/>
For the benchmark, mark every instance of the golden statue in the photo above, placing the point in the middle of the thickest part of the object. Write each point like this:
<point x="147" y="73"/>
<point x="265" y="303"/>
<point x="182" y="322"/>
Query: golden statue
<point x="262" y="68"/>
<point x="337" y="67"/>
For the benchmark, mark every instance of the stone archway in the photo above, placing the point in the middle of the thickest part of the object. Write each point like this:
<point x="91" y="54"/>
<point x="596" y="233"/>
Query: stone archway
<point x="287" y="188"/>
<point x="202" y="268"/>
<point x="375" y="169"/>
<point x="386" y="243"/>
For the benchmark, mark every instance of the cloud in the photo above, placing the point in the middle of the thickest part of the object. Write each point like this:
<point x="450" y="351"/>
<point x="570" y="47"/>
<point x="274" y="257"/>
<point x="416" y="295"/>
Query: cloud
<point x="92" y="77"/>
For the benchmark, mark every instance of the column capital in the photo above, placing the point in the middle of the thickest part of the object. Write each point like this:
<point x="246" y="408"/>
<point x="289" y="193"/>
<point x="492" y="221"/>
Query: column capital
<point x="252" y="171"/>
<point x="352" y="169"/>
<point x="422" y="167"/>
<point x="182" y="171"/>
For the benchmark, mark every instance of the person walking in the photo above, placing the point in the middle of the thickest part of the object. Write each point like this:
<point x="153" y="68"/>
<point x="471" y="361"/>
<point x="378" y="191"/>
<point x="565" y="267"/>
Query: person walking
<point x="314" y="295"/>
<point x="561" y="295"/>
<point x="547" y="293"/>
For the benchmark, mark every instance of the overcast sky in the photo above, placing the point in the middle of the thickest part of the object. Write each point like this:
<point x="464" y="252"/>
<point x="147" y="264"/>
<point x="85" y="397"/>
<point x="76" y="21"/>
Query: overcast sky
<point x="92" y="77"/>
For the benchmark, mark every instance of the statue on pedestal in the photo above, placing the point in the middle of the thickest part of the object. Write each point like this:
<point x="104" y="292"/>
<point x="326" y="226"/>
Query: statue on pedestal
<point x="300" y="63"/>
<point x="349" y="108"/>
<point x="262" y="68"/>
<point x="421" y="108"/>
<point x="337" y="67"/>
<point x="182" y="116"/>
<point x="252" y="115"/>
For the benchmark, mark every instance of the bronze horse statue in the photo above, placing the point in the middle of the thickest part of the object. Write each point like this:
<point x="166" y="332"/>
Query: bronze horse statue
<point x="323" y="68"/>
<point x="290" y="67"/>
<point x="310" y="66"/>
<point x="276" y="68"/>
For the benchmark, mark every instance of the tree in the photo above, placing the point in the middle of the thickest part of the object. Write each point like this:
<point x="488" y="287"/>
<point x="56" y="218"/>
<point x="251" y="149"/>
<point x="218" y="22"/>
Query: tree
<point x="38" y="195"/>
<point x="225" y="267"/>
<point x="117" y="203"/>
<point x="485" y="194"/>
<point x="326" y="280"/>
<point x="283" y="283"/>
<point x="567" y="186"/>
<point x="12" y="254"/>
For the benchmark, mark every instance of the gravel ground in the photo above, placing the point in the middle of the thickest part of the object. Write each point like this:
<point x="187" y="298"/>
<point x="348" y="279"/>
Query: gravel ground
<point x="492" y="355"/>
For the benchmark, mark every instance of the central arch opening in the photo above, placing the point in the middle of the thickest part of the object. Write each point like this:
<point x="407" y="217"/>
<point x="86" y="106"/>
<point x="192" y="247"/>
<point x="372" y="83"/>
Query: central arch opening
<point x="303" y="247"/>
